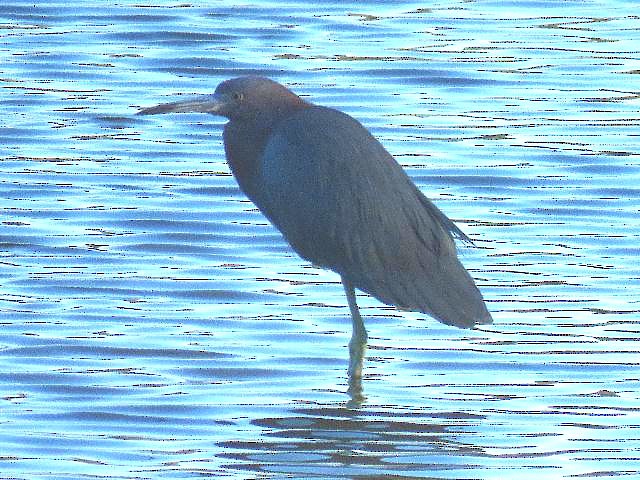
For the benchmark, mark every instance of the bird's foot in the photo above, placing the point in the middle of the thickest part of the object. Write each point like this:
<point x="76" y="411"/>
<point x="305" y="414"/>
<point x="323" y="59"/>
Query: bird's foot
<point x="357" y="348"/>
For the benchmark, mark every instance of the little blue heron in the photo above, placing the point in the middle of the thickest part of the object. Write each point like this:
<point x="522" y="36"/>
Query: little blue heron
<point x="342" y="202"/>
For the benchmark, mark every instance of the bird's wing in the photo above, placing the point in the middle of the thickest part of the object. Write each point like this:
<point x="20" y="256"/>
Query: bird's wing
<point x="344" y="203"/>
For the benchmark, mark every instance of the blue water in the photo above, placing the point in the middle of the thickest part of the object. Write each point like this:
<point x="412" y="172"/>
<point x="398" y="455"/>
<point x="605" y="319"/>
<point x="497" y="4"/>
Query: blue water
<point x="154" y="325"/>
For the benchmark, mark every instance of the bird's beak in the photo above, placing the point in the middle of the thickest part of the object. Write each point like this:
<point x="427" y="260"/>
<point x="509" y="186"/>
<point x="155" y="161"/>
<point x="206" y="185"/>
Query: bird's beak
<point x="205" y="104"/>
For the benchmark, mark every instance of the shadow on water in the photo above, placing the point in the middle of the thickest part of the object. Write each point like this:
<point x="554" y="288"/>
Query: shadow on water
<point x="343" y="442"/>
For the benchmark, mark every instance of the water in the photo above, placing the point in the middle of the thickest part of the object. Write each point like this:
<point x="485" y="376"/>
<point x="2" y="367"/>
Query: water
<point x="154" y="325"/>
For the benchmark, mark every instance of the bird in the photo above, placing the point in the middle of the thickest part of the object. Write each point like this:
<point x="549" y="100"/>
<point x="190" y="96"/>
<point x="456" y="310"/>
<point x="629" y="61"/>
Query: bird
<point x="342" y="202"/>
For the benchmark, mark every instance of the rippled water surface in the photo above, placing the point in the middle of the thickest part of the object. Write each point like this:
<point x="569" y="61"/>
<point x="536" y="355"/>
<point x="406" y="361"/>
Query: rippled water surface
<point x="154" y="325"/>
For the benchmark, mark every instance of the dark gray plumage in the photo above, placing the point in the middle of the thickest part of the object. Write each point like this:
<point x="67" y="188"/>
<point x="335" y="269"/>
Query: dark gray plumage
<point x="341" y="200"/>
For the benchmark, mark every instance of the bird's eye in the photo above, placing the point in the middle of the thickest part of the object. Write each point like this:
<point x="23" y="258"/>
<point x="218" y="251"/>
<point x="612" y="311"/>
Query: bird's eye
<point x="237" y="96"/>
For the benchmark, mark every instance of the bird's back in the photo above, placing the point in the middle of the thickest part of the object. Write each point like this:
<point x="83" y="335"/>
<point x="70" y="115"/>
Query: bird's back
<point x="344" y="203"/>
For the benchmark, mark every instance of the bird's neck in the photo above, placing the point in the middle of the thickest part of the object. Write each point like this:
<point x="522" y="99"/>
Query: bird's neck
<point x="245" y="142"/>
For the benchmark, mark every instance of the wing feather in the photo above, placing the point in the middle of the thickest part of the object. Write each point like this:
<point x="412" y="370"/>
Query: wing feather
<point x="344" y="203"/>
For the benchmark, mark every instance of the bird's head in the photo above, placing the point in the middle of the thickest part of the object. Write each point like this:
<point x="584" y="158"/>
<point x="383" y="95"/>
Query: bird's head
<point x="243" y="99"/>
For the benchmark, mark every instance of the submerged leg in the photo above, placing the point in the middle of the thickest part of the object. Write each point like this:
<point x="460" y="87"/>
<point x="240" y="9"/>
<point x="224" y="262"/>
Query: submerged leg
<point x="359" y="334"/>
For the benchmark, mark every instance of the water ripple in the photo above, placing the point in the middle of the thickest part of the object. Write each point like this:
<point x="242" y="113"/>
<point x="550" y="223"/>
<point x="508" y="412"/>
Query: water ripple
<point x="154" y="325"/>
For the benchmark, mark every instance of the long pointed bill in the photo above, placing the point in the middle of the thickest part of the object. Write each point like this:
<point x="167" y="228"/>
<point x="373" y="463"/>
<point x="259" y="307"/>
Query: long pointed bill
<point x="204" y="104"/>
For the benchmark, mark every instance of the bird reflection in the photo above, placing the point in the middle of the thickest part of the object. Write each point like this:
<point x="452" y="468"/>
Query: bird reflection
<point x="334" y="441"/>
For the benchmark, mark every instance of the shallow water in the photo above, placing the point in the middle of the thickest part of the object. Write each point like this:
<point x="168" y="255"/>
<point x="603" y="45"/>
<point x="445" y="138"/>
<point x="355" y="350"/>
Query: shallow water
<point x="154" y="325"/>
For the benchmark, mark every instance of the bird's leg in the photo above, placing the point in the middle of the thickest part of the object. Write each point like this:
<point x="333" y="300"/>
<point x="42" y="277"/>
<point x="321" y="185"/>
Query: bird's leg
<point x="359" y="334"/>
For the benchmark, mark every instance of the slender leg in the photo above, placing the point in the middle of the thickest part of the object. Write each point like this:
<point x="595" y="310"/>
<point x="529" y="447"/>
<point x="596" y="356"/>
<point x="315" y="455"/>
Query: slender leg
<point x="359" y="334"/>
